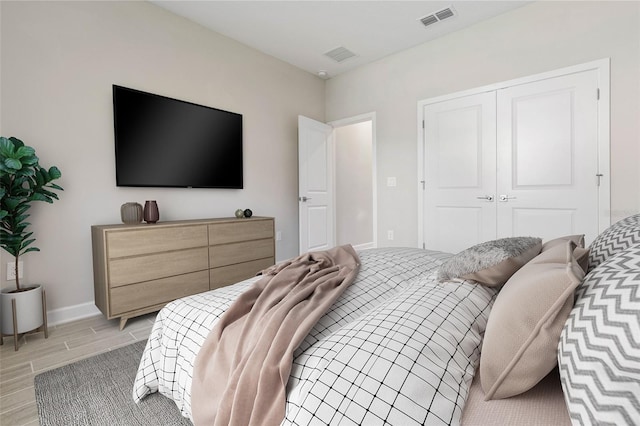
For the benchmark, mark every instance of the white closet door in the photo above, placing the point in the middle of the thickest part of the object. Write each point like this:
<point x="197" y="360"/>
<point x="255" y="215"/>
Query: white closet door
<point x="547" y="157"/>
<point x="460" y="172"/>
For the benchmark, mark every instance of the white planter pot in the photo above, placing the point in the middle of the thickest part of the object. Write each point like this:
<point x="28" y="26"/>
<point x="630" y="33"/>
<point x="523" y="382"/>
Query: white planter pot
<point x="28" y="310"/>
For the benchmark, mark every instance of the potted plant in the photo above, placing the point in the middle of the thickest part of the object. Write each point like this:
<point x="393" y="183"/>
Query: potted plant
<point x="22" y="181"/>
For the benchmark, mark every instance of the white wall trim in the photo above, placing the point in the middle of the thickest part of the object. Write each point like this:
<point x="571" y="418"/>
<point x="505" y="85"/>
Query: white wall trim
<point x="72" y="313"/>
<point x="369" y="116"/>
<point x="602" y="66"/>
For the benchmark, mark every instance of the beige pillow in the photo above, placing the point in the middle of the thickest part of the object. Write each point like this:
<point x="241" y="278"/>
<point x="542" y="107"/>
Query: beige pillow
<point x="582" y="257"/>
<point x="523" y="330"/>
<point x="578" y="239"/>
<point x="491" y="263"/>
<point x="580" y="252"/>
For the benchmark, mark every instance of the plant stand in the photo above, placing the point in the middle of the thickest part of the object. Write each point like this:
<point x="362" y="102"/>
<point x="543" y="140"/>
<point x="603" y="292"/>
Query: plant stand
<point x="15" y="334"/>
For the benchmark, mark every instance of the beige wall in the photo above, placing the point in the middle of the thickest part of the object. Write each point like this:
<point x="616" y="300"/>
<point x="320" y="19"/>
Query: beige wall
<point x="538" y="37"/>
<point x="59" y="60"/>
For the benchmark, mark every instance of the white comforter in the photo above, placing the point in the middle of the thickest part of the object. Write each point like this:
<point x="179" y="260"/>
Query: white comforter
<point x="397" y="347"/>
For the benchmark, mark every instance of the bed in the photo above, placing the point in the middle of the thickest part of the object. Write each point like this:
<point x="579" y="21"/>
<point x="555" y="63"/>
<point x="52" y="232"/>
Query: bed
<point x="403" y="344"/>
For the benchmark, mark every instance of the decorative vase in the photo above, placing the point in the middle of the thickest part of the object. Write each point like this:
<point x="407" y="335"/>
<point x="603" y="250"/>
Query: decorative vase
<point x="131" y="213"/>
<point x="151" y="213"/>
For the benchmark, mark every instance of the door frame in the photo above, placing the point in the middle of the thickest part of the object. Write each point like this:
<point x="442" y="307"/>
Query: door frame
<point x="602" y="66"/>
<point x="370" y="116"/>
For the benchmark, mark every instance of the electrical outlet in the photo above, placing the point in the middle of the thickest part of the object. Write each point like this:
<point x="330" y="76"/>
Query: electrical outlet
<point x="278" y="235"/>
<point x="11" y="270"/>
<point x="389" y="235"/>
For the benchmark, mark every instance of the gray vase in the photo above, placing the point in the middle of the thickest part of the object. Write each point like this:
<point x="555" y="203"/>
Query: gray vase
<point x="131" y="213"/>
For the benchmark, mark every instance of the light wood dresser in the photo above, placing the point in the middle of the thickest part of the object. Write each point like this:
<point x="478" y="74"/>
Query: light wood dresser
<point x="139" y="268"/>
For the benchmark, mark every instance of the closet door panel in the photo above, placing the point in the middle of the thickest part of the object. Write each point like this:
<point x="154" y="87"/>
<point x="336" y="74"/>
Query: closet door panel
<point x="460" y="172"/>
<point x="547" y="157"/>
<point x="542" y="222"/>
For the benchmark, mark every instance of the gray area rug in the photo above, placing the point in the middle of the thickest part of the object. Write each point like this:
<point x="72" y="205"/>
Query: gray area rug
<point x="97" y="391"/>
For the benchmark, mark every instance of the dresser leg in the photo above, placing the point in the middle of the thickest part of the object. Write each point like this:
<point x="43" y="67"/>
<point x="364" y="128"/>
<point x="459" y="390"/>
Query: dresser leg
<point x="123" y="322"/>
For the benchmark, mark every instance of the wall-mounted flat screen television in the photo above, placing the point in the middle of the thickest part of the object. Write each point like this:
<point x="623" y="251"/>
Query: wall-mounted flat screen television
<point x="165" y="142"/>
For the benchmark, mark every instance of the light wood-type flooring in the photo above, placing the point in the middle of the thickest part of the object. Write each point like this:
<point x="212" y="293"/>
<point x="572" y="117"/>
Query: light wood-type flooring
<point x="66" y="343"/>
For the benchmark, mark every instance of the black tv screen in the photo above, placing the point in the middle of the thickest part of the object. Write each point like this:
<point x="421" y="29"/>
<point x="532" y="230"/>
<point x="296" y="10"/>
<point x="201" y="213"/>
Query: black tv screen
<point x="164" y="142"/>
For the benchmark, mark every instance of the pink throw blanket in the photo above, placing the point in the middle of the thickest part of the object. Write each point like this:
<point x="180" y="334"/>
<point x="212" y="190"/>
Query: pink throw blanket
<point x="241" y="372"/>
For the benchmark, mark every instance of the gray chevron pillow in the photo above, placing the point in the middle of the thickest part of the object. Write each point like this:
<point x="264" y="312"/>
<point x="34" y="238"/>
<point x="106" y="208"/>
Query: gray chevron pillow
<point x="599" y="349"/>
<point x="614" y="239"/>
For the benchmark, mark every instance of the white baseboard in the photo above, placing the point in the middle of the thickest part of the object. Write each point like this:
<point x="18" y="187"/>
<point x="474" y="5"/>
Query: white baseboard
<point x="72" y="313"/>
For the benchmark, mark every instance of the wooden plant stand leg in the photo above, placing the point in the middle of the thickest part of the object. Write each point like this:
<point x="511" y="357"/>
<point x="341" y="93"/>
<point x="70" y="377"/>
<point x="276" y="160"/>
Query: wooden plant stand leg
<point x="44" y="326"/>
<point x="15" y="323"/>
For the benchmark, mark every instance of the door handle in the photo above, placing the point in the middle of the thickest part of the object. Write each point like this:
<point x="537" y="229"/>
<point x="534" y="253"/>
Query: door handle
<point x="486" y="197"/>
<point x="504" y="198"/>
<point x="303" y="199"/>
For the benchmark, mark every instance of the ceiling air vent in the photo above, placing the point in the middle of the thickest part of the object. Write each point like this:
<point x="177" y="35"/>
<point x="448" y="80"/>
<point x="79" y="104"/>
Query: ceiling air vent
<point x="340" y="54"/>
<point x="438" y="16"/>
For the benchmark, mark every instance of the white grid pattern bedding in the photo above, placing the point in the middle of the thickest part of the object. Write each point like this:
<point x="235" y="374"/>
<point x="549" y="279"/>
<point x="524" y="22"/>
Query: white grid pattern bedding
<point x="396" y="348"/>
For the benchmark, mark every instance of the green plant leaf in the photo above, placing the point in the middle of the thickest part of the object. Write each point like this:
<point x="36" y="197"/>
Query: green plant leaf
<point x="40" y="197"/>
<point x="16" y="142"/>
<point x="26" y="151"/>
<point x="39" y="178"/>
<point x="48" y="193"/>
<point x="54" y="173"/>
<point x="12" y="164"/>
<point x="7" y="148"/>
<point x="45" y="174"/>
<point x="11" y="202"/>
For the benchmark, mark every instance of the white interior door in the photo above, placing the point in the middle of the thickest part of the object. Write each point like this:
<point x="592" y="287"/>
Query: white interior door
<point x="548" y="157"/>
<point x="460" y="172"/>
<point x="315" y="185"/>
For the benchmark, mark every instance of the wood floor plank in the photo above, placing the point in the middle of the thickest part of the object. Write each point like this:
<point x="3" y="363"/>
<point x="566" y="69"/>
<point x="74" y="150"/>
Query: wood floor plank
<point x="17" y="399"/>
<point x="41" y="351"/>
<point x="8" y="387"/>
<point x="15" y="371"/>
<point x="20" y="416"/>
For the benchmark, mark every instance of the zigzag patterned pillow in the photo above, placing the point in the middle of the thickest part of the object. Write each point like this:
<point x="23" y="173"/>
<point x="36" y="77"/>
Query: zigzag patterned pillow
<point x="614" y="239"/>
<point x="599" y="349"/>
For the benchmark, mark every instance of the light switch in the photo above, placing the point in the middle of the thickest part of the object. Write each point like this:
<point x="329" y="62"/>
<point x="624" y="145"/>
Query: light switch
<point x="391" y="181"/>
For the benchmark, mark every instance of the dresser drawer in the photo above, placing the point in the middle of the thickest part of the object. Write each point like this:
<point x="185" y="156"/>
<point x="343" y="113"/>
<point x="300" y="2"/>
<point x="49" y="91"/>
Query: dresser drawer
<point x="129" y="270"/>
<point x="242" y="230"/>
<point x="151" y="239"/>
<point x="229" y="254"/>
<point x="132" y="297"/>
<point x="225" y="275"/>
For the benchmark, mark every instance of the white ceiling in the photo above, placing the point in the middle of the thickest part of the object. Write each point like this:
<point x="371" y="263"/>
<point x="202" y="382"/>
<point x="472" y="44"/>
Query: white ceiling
<point x="301" y="32"/>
